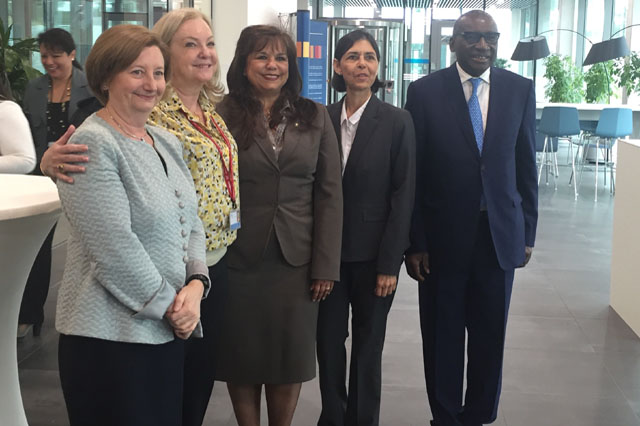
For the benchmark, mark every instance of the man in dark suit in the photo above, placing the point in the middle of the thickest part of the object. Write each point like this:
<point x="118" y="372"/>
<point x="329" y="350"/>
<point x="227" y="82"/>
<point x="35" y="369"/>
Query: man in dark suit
<point x="474" y="218"/>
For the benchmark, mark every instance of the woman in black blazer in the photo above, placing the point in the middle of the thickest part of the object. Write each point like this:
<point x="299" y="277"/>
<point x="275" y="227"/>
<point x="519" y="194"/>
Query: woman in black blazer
<point x="377" y="144"/>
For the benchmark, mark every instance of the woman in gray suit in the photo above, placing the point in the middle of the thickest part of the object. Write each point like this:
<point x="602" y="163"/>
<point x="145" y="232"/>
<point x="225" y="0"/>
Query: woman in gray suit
<point x="287" y="254"/>
<point x="378" y="150"/>
<point x="49" y="103"/>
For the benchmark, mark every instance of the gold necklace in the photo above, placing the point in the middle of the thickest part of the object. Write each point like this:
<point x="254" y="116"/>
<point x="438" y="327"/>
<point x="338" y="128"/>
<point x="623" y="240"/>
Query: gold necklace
<point x="66" y="93"/>
<point x="131" y="135"/>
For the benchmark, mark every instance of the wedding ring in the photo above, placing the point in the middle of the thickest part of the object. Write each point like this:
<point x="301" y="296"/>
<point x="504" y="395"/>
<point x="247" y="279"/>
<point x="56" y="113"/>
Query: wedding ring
<point x="61" y="167"/>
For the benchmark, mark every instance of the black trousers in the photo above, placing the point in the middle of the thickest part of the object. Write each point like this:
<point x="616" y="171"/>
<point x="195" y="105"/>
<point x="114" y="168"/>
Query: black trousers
<point x="200" y="354"/>
<point x="475" y="300"/>
<point x="109" y="383"/>
<point x="37" y="287"/>
<point x="361" y="405"/>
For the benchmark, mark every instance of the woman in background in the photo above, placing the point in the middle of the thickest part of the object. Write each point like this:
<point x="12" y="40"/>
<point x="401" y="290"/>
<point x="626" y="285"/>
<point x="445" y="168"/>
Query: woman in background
<point x="287" y="254"/>
<point x="135" y="270"/>
<point x="17" y="154"/>
<point x="378" y="149"/>
<point x="49" y="103"/>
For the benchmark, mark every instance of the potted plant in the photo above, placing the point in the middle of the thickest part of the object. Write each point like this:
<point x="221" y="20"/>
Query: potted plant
<point x="626" y="72"/>
<point x="15" y="62"/>
<point x="598" y="80"/>
<point x="564" y="80"/>
<point x="501" y="63"/>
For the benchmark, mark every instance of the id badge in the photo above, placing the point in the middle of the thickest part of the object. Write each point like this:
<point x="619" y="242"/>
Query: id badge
<point x="234" y="219"/>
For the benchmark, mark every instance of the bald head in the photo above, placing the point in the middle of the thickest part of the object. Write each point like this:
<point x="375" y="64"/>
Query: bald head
<point x="474" y="16"/>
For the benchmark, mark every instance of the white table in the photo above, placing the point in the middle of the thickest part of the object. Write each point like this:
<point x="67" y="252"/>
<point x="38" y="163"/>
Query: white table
<point x="29" y="207"/>
<point x="625" y="267"/>
<point x="591" y="112"/>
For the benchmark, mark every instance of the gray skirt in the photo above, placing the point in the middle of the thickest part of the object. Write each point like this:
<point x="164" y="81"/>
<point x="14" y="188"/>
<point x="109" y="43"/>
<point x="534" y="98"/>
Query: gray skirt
<point x="269" y="330"/>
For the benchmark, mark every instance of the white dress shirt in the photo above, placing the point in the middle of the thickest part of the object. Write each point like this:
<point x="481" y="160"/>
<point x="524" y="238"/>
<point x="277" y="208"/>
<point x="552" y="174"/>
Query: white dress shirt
<point x="348" y="128"/>
<point x="483" y="90"/>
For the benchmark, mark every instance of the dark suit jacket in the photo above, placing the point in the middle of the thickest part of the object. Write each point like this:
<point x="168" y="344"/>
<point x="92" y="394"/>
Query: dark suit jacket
<point x="35" y="106"/>
<point x="298" y="196"/>
<point x="378" y="185"/>
<point x="451" y="173"/>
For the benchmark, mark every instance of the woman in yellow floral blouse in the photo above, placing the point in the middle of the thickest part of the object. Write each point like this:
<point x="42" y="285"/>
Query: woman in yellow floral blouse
<point x="187" y="110"/>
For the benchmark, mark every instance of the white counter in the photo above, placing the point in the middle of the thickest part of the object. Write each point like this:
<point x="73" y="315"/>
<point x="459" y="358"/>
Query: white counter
<point x="625" y="256"/>
<point x="29" y="206"/>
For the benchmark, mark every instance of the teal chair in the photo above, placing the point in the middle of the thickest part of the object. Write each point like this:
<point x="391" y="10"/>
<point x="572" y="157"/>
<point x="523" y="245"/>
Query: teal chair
<point x="614" y="123"/>
<point x="557" y="123"/>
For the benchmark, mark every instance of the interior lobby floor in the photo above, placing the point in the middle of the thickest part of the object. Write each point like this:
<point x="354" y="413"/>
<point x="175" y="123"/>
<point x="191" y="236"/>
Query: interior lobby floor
<point x="569" y="361"/>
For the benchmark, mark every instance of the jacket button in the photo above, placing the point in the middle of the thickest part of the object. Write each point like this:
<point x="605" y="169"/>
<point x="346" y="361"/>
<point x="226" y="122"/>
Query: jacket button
<point x="181" y="205"/>
<point x="182" y="219"/>
<point x="185" y="247"/>
<point x="184" y="233"/>
<point x="178" y="193"/>
<point x="185" y="259"/>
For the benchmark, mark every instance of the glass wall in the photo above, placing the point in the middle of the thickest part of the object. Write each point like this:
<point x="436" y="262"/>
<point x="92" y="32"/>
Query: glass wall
<point x="84" y="19"/>
<point x="427" y="32"/>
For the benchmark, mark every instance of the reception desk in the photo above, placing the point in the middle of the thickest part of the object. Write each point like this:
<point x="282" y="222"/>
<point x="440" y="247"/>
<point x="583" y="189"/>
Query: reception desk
<point x="29" y="207"/>
<point x="591" y="112"/>
<point x="625" y="256"/>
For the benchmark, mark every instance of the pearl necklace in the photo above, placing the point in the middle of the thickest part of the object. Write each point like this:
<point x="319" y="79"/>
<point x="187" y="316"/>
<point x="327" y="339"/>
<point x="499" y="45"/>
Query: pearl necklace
<point x="131" y="135"/>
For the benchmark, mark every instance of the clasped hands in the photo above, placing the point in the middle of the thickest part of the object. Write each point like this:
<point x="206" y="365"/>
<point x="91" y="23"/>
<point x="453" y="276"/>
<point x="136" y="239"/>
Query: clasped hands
<point x="184" y="313"/>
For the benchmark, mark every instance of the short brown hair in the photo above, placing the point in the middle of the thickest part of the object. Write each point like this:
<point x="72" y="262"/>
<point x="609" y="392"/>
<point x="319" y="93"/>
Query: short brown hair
<point x="114" y="51"/>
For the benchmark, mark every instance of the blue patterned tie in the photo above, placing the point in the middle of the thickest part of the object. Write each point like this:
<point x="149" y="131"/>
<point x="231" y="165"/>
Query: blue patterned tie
<point x="475" y="113"/>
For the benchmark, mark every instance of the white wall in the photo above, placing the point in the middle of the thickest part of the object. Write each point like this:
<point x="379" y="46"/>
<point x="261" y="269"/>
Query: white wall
<point x="266" y="11"/>
<point x="230" y="17"/>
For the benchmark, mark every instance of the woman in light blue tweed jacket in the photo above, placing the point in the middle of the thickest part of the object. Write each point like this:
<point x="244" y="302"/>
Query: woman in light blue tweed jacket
<point x="135" y="271"/>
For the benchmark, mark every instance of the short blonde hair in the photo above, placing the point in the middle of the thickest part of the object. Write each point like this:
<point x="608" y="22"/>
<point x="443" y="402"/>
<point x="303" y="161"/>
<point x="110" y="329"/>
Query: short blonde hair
<point x="114" y="51"/>
<point x="167" y="27"/>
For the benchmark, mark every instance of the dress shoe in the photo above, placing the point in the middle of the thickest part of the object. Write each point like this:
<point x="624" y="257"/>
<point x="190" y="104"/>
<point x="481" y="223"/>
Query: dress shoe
<point x="24" y="329"/>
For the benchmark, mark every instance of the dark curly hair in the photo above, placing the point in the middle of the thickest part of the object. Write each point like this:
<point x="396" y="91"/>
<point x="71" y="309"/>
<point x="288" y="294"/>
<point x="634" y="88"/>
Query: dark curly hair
<point x="344" y="44"/>
<point x="244" y="116"/>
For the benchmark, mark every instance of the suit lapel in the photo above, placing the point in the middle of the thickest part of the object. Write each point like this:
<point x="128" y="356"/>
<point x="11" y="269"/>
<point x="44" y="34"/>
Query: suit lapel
<point x="496" y="93"/>
<point x="78" y="87"/>
<point x="40" y="100"/>
<point x="459" y="107"/>
<point x="267" y="149"/>
<point x="366" y="127"/>
<point x="291" y="137"/>
<point x="335" y="111"/>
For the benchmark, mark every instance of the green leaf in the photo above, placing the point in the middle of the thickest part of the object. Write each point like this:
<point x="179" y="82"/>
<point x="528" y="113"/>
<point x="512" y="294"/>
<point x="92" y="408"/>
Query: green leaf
<point x="564" y="80"/>
<point x="15" y="61"/>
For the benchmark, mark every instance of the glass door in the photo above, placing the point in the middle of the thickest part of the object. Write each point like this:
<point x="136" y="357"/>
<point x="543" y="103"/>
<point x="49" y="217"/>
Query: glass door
<point x="441" y="56"/>
<point x="117" y="12"/>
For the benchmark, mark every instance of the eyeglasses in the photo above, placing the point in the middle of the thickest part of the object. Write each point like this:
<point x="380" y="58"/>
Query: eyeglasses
<point x="473" y="37"/>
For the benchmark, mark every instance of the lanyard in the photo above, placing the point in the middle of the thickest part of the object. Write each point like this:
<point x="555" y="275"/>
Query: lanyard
<point x="227" y="173"/>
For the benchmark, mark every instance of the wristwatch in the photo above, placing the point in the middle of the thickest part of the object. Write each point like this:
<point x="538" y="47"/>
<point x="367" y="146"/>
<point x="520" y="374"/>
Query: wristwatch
<point x="203" y="278"/>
